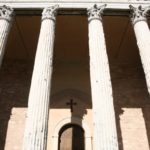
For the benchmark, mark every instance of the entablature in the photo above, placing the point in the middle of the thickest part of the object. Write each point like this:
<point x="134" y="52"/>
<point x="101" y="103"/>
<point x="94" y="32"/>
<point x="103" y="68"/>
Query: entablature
<point x="73" y="7"/>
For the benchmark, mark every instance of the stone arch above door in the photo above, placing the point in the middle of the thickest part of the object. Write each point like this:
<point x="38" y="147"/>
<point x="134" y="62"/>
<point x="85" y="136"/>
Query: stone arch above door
<point x="71" y="137"/>
<point x="60" y="114"/>
<point x="72" y="120"/>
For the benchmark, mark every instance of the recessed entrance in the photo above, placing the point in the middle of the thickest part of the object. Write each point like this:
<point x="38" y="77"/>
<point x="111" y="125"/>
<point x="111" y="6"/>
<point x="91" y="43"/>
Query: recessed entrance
<point x="71" y="137"/>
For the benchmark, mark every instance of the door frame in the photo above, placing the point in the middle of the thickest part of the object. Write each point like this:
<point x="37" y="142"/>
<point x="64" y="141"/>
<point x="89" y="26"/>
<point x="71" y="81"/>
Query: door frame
<point x="72" y="120"/>
<point x="73" y="126"/>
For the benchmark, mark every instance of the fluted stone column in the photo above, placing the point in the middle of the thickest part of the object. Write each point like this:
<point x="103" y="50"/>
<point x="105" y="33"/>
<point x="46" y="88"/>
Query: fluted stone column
<point x="38" y="104"/>
<point x="105" y="136"/>
<point x="142" y="34"/>
<point x="6" y="14"/>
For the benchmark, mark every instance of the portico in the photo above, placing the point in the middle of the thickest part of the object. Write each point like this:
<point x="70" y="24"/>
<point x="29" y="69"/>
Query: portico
<point x="39" y="101"/>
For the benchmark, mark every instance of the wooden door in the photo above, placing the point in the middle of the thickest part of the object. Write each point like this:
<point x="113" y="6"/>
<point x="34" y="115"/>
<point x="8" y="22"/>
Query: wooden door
<point x="71" y="137"/>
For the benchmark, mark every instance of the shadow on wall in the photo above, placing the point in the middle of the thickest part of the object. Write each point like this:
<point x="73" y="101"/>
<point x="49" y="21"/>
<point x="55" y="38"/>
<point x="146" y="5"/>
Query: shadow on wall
<point x="132" y="107"/>
<point x="131" y="98"/>
<point x="75" y="103"/>
<point x="16" y="70"/>
<point x="14" y="87"/>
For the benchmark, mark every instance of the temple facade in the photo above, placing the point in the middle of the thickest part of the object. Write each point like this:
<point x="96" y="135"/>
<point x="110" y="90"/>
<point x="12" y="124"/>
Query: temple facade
<point x="74" y="75"/>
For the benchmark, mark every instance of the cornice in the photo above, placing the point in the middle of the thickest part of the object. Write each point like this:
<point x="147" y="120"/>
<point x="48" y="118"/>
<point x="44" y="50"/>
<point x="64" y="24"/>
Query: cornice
<point x="74" y="4"/>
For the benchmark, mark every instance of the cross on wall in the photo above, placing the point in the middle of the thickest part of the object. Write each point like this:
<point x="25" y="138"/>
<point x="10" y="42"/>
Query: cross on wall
<point x="71" y="103"/>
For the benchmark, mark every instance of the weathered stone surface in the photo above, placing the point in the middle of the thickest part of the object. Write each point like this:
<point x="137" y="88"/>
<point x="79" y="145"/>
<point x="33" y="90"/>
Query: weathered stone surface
<point x="14" y="88"/>
<point x="38" y="104"/>
<point x="142" y="34"/>
<point x="105" y="135"/>
<point x="132" y="105"/>
<point x="5" y="24"/>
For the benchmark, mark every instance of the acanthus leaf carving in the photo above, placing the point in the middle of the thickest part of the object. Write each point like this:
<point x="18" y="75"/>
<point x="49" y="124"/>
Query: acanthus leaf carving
<point x="50" y="13"/>
<point x="138" y="13"/>
<point x="95" y="12"/>
<point x="6" y="13"/>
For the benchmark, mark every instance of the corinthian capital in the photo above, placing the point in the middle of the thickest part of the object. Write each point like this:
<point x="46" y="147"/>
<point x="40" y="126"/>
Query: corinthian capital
<point x="138" y="14"/>
<point x="50" y="13"/>
<point x="6" y="13"/>
<point x="95" y="12"/>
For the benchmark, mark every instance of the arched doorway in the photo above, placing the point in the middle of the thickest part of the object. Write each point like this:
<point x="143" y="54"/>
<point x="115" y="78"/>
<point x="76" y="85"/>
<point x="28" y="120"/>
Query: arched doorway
<point x="72" y="120"/>
<point x="71" y="137"/>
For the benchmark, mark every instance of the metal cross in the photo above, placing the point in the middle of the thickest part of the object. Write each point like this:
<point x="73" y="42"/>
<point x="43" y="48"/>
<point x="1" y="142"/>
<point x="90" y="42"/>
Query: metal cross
<point x="71" y="103"/>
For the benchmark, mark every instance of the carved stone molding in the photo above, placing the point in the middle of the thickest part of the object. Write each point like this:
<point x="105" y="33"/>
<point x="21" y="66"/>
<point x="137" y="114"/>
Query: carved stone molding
<point x="95" y="12"/>
<point x="50" y="13"/>
<point x="139" y="13"/>
<point x="6" y="13"/>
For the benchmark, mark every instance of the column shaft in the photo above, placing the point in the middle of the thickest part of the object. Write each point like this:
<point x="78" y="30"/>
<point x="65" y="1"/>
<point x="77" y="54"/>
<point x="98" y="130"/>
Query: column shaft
<point x="142" y="34"/>
<point x="5" y="24"/>
<point x="38" y="104"/>
<point x="105" y="137"/>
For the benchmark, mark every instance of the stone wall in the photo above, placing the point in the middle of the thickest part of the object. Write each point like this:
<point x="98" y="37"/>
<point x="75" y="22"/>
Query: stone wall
<point x="132" y="104"/>
<point x="14" y="87"/>
<point x="132" y="107"/>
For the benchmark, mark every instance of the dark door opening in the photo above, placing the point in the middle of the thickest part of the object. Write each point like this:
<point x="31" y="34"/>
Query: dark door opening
<point x="71" y="137"/>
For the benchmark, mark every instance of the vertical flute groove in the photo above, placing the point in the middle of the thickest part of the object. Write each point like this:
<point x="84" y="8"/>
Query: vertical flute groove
<point x="38" y="104"/>
<point x="142" y="34"/>
<point x="143" y="42"/>
<point x="105" y="135"/>
<point x="6" y="14"/>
